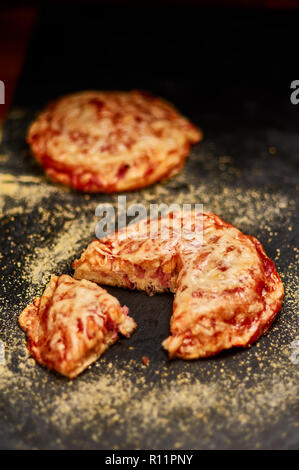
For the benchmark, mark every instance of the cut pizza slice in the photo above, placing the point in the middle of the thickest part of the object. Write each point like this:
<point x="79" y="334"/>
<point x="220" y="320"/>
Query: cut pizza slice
<point x="72" y="324"/>
<point x="227" y="291"/>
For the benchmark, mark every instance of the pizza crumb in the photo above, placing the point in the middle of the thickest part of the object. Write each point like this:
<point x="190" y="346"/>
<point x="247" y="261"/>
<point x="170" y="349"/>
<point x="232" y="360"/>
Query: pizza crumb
<point x="145" y="360"/>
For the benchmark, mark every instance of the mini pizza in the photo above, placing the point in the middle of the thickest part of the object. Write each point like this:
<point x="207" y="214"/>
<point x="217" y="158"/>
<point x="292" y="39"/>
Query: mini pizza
<point x="227" y="291"/>
<point x="72" y="324"/>
<point x="111" y="141"/>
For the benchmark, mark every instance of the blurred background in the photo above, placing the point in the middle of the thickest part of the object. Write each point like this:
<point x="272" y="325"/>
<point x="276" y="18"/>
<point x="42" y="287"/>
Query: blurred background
<point x="177" y="29"/>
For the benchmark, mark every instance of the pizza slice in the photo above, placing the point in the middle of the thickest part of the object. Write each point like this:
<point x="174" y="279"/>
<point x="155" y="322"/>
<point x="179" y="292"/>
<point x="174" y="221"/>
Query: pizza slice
<point x="72" y="324"/>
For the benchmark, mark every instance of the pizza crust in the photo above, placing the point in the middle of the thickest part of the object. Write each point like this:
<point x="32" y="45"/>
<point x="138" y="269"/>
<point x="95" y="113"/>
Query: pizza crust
<point x="227" y="291"/>
<point x="111" y="141"/>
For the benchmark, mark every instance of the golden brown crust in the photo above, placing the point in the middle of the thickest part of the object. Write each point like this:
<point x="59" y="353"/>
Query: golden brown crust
<point x="72" y="324"/>
<point x="111" y="141"/>
<point x="227" y="291"/>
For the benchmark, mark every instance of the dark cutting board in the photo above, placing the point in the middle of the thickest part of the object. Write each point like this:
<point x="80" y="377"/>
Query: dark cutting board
<point x="229" y="71"/>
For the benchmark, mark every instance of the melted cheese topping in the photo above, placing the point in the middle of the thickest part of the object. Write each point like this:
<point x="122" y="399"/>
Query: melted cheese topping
<point x="111" y="141"/>
<point x="227" y="291"/>
<point x="72" y="324"/>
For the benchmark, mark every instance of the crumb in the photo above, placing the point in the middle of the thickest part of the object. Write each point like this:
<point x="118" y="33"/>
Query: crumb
<point x="145" y="360"/>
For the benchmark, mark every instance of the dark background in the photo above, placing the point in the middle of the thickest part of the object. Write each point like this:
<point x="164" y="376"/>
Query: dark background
<point x="223" y="58"/>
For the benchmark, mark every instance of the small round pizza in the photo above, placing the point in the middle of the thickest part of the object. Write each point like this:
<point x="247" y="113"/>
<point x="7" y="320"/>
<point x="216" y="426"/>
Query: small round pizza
<point x="109" y="141"/>
<point x="227" y="290"/>
<point x="72" y="324"/>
